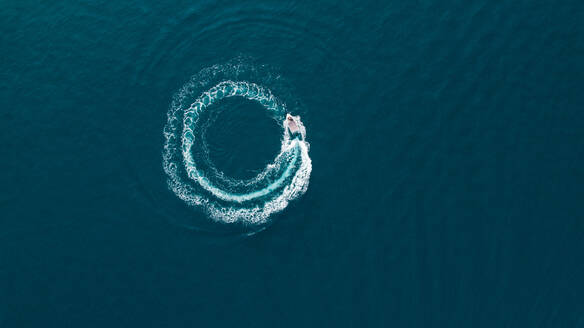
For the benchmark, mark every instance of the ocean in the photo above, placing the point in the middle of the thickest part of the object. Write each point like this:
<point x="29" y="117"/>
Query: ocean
<point x="438" y="182"/>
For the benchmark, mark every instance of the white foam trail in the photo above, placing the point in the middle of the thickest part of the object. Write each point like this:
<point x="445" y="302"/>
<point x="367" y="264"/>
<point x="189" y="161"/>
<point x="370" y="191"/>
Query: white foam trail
<point x="289" y="173"/>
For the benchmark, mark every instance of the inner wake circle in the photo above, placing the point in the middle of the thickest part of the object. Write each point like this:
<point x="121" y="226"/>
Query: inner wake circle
<point x="195" y="180"/>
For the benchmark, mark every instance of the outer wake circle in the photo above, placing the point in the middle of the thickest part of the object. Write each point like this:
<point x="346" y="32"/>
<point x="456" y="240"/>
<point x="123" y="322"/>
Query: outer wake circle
<point x="195" y="180"/>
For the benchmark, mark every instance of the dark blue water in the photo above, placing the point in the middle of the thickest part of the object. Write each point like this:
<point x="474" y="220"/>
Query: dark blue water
<point x="447" y="140"/>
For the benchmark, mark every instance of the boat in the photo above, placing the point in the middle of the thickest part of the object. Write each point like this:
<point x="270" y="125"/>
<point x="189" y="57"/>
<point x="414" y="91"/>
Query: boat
<point x="291" y="124"/>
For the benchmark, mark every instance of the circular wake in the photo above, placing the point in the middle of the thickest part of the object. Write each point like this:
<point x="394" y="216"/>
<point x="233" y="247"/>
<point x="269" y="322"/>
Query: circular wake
<point x="195" y="180"/>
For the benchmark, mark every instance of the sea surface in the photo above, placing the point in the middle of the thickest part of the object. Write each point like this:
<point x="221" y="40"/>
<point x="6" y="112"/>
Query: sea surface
<point x="446" y="143"/>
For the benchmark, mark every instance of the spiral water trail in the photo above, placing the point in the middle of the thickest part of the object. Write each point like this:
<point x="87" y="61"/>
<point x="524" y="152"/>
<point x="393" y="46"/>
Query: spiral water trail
<point x="197" y="182"/>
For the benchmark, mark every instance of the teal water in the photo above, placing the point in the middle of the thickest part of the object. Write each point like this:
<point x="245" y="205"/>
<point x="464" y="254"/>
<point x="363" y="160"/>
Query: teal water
<point x="446" y="142"/>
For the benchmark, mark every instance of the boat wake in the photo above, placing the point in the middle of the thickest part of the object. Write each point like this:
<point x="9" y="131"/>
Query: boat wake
<point x="195" y="180"/>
